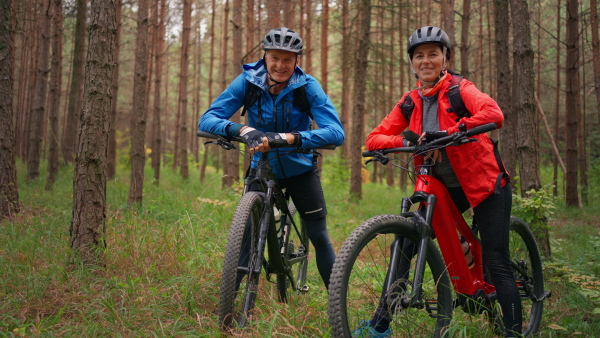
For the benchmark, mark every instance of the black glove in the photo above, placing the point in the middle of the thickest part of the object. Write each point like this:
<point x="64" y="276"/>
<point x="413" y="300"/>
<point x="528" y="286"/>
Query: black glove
<point x="434" y="135"/>
<point x="277" y="139"/>
<point x="252" y="137"/>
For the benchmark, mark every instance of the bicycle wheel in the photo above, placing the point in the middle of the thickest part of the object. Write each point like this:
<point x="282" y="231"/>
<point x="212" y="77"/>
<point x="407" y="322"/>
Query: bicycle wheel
<point x="239" y="284"/>
<point x="527" y="268"/>
<point x="358" y="277"/>
<point x="295" y="253"/>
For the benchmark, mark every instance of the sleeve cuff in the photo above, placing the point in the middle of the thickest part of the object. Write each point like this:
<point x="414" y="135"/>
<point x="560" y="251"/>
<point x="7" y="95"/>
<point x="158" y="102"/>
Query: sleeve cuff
<point x="233" y="129"/>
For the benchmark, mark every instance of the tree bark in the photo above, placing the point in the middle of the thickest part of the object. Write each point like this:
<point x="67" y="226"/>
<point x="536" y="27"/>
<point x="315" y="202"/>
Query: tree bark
<point x="273" y="8"/>
<point x="9" y="191"/>
<point x="595" y="51"/>
<point x="572" y="90"/>
<point x="183" y="88"/>
<point x="55" y="93"/>
<point x="210" y="80"/>
<point x="227" y="180"/>
<point x="158" y="62"/>
<point x="447" y="9"/>
<point x="346" y="52"/>
<point x="138" y="114"/>
<point x="77" y="79"/>
<point x="557" y="94"/>
<point x="324" y="44"/>
<point x="38" y="112"/>
<point x="360" y="84"/>
<point x="524" y="99"/>
<point x="464" y="39"/>
<point x="111" y="164"/>
<point x="88" y="224"/>
<point x="508" y="133"/>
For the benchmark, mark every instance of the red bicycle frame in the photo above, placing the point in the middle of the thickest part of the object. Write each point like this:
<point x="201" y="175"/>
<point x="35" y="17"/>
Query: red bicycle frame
<point x="447" y="223"/>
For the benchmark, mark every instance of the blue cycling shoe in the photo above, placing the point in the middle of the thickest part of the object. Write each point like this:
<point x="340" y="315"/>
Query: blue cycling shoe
<point x="365" y="330"/>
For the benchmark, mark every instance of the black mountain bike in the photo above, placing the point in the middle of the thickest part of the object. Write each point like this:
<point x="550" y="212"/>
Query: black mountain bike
<point x="264" y="219"/>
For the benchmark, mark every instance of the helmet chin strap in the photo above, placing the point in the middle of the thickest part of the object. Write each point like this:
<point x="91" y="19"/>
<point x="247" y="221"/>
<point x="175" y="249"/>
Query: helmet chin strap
<point x="431" y="83"/>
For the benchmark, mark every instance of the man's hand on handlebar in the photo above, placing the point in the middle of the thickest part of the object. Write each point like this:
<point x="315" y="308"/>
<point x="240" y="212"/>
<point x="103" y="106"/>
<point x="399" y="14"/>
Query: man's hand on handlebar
<point x="252" y="137"/>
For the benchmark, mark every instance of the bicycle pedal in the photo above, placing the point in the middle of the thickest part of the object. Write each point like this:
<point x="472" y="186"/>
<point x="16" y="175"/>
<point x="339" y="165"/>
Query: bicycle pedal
<point x="431" y="305"/>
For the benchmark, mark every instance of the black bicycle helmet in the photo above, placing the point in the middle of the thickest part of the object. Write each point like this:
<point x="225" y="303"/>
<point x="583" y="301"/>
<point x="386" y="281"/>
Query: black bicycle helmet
<point x="429" y="34"/>
<point x="284" y="39"/>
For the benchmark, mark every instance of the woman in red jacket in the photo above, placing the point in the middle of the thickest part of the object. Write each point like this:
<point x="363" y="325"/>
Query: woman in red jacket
<point x="471" y="172"/>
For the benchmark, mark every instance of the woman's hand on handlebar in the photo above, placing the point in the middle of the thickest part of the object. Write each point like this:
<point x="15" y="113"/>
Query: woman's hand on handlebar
<point x="434" y="155"/>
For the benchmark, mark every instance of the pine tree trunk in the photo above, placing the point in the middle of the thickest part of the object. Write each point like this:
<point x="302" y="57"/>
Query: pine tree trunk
<point x="38" y="112"/>
<point x="595" y="51"/>
<point x="55" y="93"/>
<point x="183" y="95"/>
<point x="572" y="91"/>
<point x="158" y="62"/>
<point x="360" y="84"/>
<point x="508" y="133"/>
<point x="138" y="114"/>
<point x="346" y="52"/>
<point x="9" y="192"/>
<point x="464" y="39"/>
<point x="111" y="164"/>
<point x="69" y="138"/>
<point x="527" y="124"/>
<point x="88" y="225"/>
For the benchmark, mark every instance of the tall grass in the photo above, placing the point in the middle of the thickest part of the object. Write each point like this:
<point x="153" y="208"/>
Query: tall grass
<point x="164" y="259"/>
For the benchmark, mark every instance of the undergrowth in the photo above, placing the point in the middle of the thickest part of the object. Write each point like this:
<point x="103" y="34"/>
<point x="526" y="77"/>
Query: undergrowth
<point x="164" y="260"/>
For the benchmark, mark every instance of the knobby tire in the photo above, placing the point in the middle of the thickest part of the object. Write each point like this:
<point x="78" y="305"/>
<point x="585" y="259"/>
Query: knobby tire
<point x="239" y="286"/>
<point x="527" y="267"/>
<point x="359" y="272"/>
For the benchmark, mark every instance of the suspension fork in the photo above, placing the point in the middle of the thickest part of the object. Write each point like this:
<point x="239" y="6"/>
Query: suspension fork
<point x="425" y="230"/>
<point x="265" y="223"/>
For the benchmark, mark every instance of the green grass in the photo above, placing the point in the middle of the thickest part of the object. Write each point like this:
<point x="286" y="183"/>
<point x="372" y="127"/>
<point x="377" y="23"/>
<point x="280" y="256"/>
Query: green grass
<point x="164" y="259"/>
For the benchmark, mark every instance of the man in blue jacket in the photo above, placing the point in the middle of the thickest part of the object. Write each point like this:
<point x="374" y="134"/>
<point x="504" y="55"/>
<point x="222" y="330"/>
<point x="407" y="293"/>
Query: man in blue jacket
<point x="275" y="115"/>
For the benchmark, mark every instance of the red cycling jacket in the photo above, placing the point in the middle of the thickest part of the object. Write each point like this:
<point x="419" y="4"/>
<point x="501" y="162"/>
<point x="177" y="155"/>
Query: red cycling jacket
<point x="475" y="164"/>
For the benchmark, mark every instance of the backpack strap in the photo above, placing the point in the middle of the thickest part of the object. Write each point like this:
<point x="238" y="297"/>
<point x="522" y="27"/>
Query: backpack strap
<point x="253" y="94"/>
<point x="301" y="101"/>
<point x="457" y="105"/>
<point x="407" y="107"/>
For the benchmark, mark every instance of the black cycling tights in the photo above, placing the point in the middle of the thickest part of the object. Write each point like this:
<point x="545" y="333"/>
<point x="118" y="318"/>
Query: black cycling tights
<point x="492" y="217"/>
<point x="318" y="236"/>
<point x="317" y="233"/>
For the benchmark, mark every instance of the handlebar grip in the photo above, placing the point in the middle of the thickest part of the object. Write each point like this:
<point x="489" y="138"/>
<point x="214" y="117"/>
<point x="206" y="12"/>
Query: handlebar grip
<point x="201" y="133"/>
<point x="482" y="129"/>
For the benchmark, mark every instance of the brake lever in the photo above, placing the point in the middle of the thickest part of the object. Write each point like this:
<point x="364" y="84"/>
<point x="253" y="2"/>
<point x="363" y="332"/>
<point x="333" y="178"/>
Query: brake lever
<point x="379" y="158"/>
<point x="223" y="142"/>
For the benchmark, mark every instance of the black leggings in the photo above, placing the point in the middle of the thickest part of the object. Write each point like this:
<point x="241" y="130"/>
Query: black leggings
<point x="492" y="217"/>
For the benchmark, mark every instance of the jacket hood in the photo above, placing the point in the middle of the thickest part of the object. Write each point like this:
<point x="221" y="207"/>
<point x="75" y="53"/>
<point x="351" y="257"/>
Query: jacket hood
<point x="256" y="73"/>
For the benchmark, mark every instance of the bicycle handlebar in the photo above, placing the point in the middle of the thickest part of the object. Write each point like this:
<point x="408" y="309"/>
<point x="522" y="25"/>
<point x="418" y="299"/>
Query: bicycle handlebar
<point x="273" y="144"/>
<point x="454" y="139"/>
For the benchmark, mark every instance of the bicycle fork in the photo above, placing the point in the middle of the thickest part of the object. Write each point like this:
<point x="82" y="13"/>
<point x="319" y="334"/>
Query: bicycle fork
<point x="400" y="247"/>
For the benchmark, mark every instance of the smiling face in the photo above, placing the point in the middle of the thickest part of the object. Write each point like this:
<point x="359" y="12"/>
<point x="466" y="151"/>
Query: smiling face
<point x="428" y="61"/>
<point x="280" y="64"/>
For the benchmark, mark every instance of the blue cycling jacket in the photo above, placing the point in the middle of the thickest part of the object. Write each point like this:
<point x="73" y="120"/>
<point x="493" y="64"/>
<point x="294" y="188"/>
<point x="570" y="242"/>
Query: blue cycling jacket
<point x="278" y="116"/>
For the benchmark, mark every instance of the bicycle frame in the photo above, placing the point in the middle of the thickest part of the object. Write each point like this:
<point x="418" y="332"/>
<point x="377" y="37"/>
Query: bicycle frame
<point x="278" y="262"/>
<point x="443" y="219"/>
